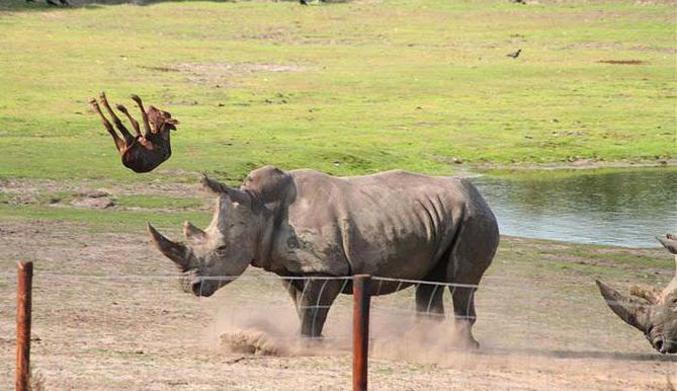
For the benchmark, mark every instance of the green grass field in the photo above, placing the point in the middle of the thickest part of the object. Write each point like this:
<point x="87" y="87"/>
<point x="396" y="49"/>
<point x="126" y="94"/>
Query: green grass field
<point x="347" y="88"/>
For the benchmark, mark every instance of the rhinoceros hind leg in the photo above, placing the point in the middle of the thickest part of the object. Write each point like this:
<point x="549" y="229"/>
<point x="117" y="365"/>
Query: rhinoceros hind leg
<point x="469" y="258"/>
<point x="464" y="312"/>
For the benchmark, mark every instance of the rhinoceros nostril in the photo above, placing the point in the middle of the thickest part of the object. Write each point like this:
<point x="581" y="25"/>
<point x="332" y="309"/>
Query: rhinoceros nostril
<point x="658" y="344"/>
<point x="196" y="287"/>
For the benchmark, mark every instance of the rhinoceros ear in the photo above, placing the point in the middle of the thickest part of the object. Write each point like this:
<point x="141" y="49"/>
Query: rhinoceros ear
<point x="633" y="313"/>
<point x="213" y="185"/>
<point x="177" y="252"/>
<point x="219" y="188"/>
<point x="192" y="232"/>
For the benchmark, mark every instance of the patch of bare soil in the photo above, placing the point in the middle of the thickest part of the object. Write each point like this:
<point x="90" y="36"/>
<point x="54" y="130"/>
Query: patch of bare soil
<point x="97" y="199"/>
<point x="87" y="194"/>
<point x="622" y="62"/>
<point x="223" y="73"/>
<point x="33" y="187"/>
<point x="618" y="47"/>
<point x="109" y="315"/>
<point x="581" y="164"/>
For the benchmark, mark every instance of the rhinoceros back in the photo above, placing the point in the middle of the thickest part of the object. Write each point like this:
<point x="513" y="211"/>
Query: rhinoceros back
<point x="393" y="224"/>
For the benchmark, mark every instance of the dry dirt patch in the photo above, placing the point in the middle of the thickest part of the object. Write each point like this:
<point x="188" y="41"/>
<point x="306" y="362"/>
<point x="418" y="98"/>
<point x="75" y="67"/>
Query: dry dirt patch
<point x="97" y="199"/>
<point x="223" y="73"/>
<point x="101" y="328"/>
<point x="622" y="62"/>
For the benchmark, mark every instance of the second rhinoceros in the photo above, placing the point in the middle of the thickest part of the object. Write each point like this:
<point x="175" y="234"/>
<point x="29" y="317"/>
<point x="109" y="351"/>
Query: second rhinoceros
<point x="302" y="223"/>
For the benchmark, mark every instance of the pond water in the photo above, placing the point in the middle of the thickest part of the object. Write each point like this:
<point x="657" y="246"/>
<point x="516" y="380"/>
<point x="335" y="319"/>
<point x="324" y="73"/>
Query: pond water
<point x="623" y="208"/>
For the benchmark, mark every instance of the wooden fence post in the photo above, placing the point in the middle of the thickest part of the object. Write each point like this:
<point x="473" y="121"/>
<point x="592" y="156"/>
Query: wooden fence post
<point x="361" y="300"/>
<point x="23" y="325"/>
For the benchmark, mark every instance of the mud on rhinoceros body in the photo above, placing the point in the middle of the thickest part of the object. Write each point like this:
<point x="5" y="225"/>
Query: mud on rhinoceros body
<point x="306" y="223"/>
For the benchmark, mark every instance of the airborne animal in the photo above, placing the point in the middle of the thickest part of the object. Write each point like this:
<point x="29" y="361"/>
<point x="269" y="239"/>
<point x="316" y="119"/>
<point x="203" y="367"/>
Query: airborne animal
<point x="656" y="314"/>
<point x="305" y="223"/>
<point x="141" y="152"/>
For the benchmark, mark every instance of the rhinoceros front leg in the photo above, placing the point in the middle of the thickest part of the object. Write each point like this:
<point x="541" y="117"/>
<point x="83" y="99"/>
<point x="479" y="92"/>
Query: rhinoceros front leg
<point x="429" y="301"/>
<point x="313" y="302"/>
<point x="294" y="288"/>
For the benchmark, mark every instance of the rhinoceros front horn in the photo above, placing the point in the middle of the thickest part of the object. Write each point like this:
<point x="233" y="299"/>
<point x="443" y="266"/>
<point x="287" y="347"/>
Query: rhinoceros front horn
<point x="177" y="252"/>
<point x="632" y="312"/>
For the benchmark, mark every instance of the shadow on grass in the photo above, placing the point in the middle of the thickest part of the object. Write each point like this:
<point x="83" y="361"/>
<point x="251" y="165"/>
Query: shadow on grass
<point x="43" y="5"/>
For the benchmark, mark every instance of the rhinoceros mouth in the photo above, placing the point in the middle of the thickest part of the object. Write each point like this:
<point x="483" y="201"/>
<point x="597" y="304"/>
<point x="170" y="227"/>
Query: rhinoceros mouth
<point x="201" y="288"/>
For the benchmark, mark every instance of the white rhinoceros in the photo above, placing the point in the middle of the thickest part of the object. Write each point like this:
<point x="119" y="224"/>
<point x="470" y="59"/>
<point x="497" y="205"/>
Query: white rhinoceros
<point x="656" y="314"/>
<point x="305" y="223"/>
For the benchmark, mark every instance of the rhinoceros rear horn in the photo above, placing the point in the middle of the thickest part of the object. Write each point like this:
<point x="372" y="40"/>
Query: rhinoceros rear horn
<point x="632" y="312"/>
<point x="193" y="232"/>
<point x="177" y="252"/>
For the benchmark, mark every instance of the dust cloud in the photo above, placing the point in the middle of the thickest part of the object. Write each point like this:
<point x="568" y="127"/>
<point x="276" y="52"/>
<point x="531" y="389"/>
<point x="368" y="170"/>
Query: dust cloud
<point x="274" y="331"/>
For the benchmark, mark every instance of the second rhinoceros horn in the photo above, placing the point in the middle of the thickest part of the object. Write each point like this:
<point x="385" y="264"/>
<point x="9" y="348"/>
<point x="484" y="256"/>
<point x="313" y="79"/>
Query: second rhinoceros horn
<point x="192" y="232"/>
<point x="631" y="311"/>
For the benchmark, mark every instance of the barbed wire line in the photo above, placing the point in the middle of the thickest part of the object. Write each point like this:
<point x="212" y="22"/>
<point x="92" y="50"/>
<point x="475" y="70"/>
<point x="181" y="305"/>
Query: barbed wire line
<point x="11" y="276"/>
<point x="519" y="318"/>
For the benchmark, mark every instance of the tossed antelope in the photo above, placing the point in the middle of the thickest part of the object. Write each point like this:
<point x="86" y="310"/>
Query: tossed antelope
<point x="656" y="314"/>
<point x="142" y="152"/>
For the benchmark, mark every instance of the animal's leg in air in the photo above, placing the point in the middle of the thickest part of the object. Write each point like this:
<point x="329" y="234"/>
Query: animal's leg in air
<point x="144" y="116"/>
<point x="131" y="119"/>
<point x="314" y="304"/>
<point x="118" y="124"/>
<point x="119" y="143"/>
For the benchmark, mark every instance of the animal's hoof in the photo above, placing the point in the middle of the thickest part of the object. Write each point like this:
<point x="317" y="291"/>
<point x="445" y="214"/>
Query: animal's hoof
<point x="469" y="345"/>
<point x="466" y="343"/>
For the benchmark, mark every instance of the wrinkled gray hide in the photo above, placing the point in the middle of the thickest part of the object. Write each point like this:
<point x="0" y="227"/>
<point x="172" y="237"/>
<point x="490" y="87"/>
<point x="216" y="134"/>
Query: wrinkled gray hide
<point x="654" y="313"/>
<point x="306" y="223"/>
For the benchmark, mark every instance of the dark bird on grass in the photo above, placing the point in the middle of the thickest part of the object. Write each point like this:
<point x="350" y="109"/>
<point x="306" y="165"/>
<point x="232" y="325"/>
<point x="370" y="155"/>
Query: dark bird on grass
<point x="303" y="2"/>
<point x="514" y="54"/>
